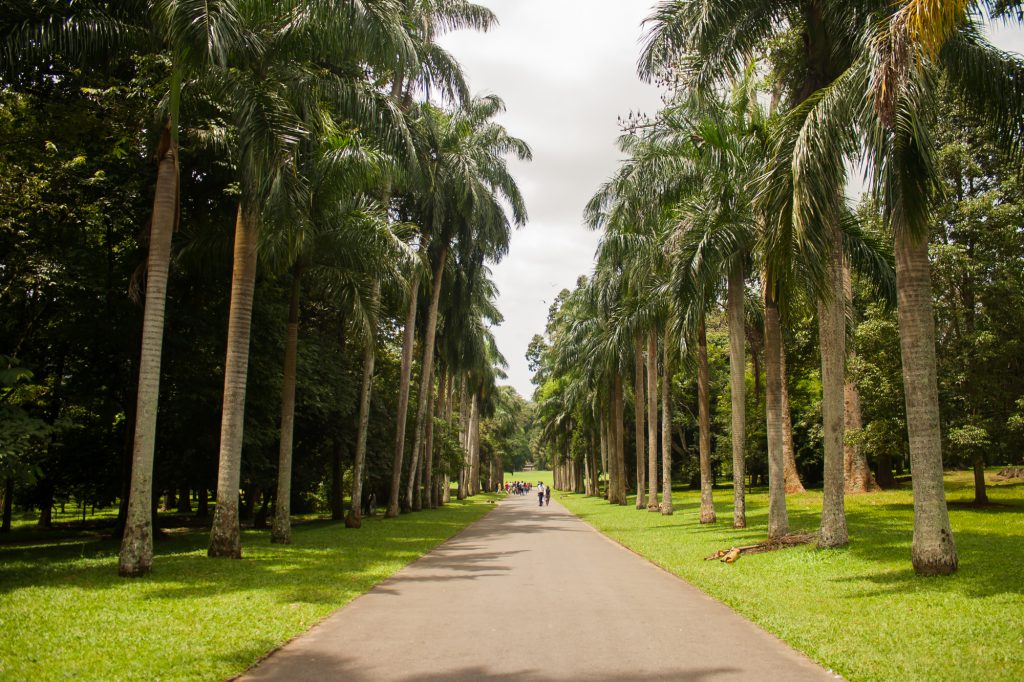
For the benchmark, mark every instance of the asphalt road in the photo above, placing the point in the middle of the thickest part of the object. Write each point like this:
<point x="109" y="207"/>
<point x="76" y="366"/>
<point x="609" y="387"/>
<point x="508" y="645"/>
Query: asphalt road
<point x="530" y="593"/>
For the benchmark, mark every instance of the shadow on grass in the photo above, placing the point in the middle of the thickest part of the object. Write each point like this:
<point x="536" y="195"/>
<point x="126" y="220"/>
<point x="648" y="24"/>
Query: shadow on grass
<point x="306" y="571"/>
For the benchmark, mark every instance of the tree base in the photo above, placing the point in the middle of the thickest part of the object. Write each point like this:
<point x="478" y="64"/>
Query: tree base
<point x="654" y="507"/>
<point x="353" y="521"/>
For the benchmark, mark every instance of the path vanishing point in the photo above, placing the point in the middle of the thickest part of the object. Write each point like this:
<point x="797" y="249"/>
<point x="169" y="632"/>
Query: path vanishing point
<point x="530" y="593"/>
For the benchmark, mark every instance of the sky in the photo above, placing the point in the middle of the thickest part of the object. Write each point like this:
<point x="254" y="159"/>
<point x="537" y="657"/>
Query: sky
<point x="566" y="70"/>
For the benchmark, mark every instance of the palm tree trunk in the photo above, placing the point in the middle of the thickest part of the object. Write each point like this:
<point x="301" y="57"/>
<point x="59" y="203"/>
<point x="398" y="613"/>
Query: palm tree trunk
<point x="604" y="422"/>
<point x="354" y="519"/>
<point x="281" y="531"/>
<point x="408" y="341"/>
<point x="790" y="473"/>
<point x="707" y="504"/>
<point x="136" y="556"/>
<point x="778" y="521"/>
<point x="638" y="417"/>
<point x="738" y="390"/>
<point x="666" y="429"/>
<point x="473" y="485"/>
<point x="225" y="534"/>
<point x="426" y="370"/>
<point x="652" y="421"/>
<point x="857" y="474"/>
<point x="618" y="443"/>
<point x="463" y="438"/>
<point x="832" y="342"/>
<point x="436" y="409"/>
<point x="933" y="551"/>
<point x="595" y="474"/>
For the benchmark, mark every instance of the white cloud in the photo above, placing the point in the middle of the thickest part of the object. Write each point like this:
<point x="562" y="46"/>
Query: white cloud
<point x="566" y="70"/>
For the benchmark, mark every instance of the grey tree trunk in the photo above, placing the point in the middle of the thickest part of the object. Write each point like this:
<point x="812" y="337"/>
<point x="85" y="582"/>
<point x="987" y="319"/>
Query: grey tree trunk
<point x="789" y="470"/>
<point x="652" y="421"/>
<point x="738" y="390"/>
<point x="426" y="371"/>
<point x="225" y="534"/>
<point x="832" y="342"/>
<point x="408" y="342"/>
<point x="354" y="519"/>
<point x="933" y="551"/>
<point x="605" y="440"/>
<point x="707" y="503"/>
<point x="618" y="443"/>
<point x="281" y="530"/>
<point x="857" y="474"/>
<point x="473" y="486"/>
<point x="136" y="558"/>
<point x="778" y="520"/>
<point x="638" y="417"/>
<point x="428" y="481"/>
<point x="666" y="428"/>
<point x="463" y="438"/>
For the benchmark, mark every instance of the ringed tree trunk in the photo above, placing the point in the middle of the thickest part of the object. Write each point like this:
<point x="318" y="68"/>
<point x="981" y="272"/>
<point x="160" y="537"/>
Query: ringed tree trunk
<point x="136" y="557"/>
<point x="354" y="518"/>
<point x="933" y="551"/>
<point x="473" y="485"/>
<point x="618" y="443"/>
<point x="408" y="341"/>
<point x="738" y="390"/>
<point x="789" y="470"/>
<point x="225" y="534"/>
<point x="666" y="430"/>
<point x="857" y="474"/>
<point x="603" y="427"/>
<point x="427" y="373"/>
<point x="463" y="439"/>
<point x="594" y="472"/>
<point x="281" y="530"/>
<point x="652" y="421"/>
<point x="778" y="521"/>
<point x="638" y="416"/>
<point x="430" y="484"/>
<point x="832" y="341"/>
<point x="707" y="504"/>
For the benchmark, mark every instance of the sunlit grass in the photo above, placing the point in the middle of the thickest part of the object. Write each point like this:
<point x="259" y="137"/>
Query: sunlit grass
<point x="66" y="615"/>
<point x="860" y="610"/>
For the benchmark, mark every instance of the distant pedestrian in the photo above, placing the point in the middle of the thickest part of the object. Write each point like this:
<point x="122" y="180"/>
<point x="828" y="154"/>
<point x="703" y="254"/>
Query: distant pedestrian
<point x="540" y="495"/>
<point x="547" y="496"/>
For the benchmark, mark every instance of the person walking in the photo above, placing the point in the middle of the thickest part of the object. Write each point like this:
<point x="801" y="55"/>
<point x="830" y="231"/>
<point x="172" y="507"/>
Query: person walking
<point x="540" y="495"/>
<point x="547" y="496"/>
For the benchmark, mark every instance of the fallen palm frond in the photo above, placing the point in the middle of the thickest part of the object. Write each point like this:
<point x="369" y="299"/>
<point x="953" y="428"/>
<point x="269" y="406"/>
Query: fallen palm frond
<point x="730" y="556"/>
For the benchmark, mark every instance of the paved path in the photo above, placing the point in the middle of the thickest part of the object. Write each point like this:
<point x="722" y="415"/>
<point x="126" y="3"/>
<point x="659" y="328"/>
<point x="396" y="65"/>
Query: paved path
<point x="588" y="610"/>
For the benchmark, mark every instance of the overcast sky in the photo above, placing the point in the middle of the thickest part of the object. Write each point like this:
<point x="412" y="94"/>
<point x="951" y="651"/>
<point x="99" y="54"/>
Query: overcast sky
<point x="566" y="70"/>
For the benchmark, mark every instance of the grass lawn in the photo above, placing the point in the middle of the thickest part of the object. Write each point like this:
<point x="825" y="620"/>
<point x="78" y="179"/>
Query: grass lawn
<point x="531" y="476"/>
<point x="65" y="614"/>
<point x="860" y="610"/>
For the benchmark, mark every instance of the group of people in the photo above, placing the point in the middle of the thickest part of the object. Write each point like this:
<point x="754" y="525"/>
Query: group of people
<point x="524" y="488"/>
<point x="517" y="487"/>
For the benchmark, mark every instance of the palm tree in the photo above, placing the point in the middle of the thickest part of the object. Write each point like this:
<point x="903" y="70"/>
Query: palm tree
<point x="432" y="68"/>
<point x="195" y="37"/>
<point x="264" y="97"/>
<point x="468" y="178"/>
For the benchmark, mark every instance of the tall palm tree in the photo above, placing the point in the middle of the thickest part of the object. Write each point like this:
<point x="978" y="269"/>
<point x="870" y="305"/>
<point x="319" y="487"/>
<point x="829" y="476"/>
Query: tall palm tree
<point x="263" y="97"/>
<point x="461" y="207"/>
<point x="195" y="36"/>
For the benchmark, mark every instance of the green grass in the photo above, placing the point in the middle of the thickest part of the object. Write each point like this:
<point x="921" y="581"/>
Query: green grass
<point x="859" y="610"/>
<point x="532" y="476"/>
<point x="66" y="615"/>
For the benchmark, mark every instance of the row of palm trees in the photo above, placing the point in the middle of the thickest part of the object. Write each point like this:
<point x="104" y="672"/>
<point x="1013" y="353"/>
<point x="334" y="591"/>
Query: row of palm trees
<point x="730" y="190"/>
<point x="349" y="182"/>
